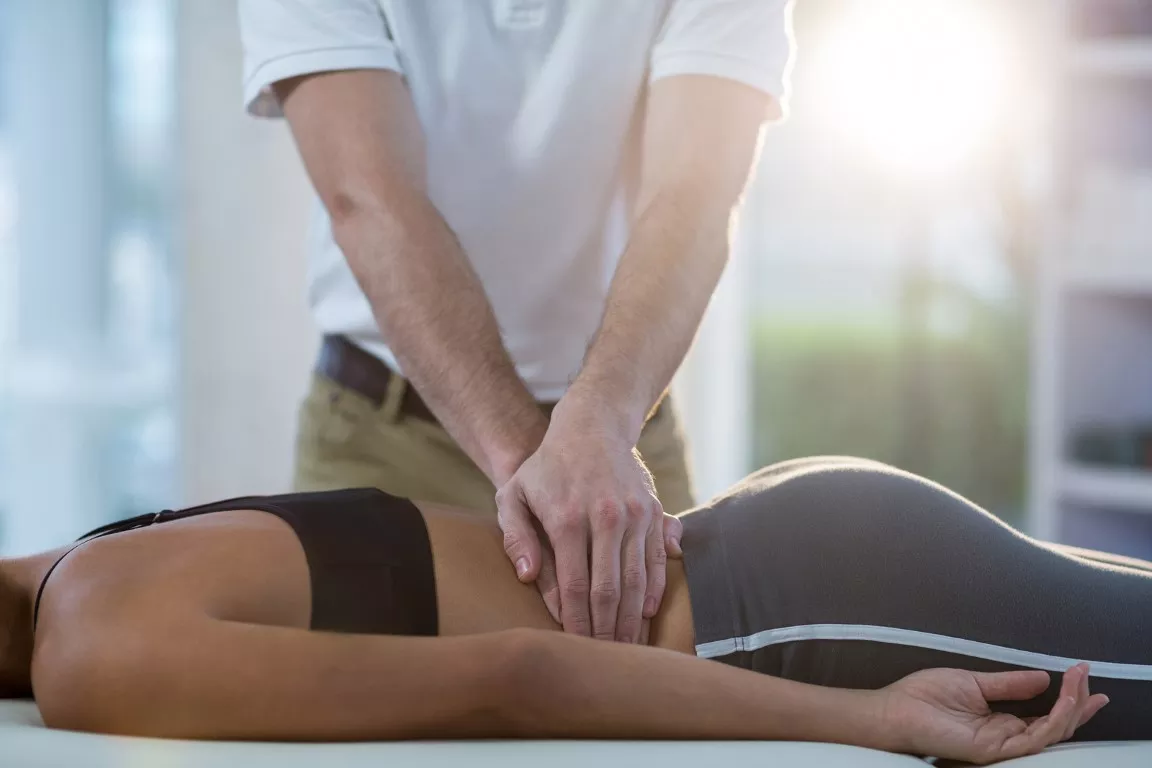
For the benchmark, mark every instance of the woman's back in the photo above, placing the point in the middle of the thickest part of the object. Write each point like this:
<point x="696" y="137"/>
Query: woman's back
<point x="250" y="566"/>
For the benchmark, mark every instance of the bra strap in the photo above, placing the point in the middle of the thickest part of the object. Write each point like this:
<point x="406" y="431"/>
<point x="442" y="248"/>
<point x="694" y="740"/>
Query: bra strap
<point x="140" y="521"/>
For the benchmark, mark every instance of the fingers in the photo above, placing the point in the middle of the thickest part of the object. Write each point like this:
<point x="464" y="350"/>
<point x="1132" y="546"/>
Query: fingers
<point x="1081" y="694"/>
<point x="521" y="543"/>
<point x="548" y="584"/>
<point x="1075" y="684"/>
<point x="1089" y="704"/>
<point x="673" y="533"/>
<point x="645" y="631"/>
<point x="1051" y="728"/>
<point x="1073" y="698"/>
<point x="1040" y="732"/>
<point x="1096" y="702"/>
<point x="570" y="545"/>
<point x="634" y="581"/>
<point x="1074" y="707"/>
<point x="656" y="563"/>
<point x="1012" y="686"/>
<point x="609" y="523"/>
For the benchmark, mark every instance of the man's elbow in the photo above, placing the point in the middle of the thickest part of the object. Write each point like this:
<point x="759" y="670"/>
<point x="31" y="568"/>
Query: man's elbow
<point x="371" y="214"/>
<point x="351" y="209"/>
<point x="355" y="220"/>
<point x="705" y="202"/>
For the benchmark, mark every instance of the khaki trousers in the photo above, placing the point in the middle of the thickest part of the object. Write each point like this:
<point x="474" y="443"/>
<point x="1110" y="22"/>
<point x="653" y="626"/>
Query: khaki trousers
<point x="347" y="441"/>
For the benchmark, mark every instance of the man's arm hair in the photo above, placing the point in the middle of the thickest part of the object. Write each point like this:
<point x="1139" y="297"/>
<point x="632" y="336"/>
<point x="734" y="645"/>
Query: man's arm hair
<point x="700" y="143"/>
<point x="363" y="147"/>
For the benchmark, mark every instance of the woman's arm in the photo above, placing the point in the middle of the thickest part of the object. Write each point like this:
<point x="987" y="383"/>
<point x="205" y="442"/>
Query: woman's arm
<point x="204" y="678"/>
<point x="607" y="690"/>
<point x="210" y="679"/>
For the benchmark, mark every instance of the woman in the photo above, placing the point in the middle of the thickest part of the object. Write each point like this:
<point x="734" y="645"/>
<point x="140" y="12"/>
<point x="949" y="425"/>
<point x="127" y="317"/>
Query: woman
<point x="910" y="609"/>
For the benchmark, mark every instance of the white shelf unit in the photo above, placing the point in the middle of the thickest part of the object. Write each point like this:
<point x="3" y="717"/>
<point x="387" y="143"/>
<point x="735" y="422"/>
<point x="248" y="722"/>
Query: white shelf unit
<point x="1124" y="58"/>
<point x="1104" y="278"/>
<point x="1092" y="355"/>
<point x="1122" y="489"/>
<point x="1093" y="369"/>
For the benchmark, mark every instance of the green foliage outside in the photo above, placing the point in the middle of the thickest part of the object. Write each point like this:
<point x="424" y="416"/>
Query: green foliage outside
<point x="950" y="406"/>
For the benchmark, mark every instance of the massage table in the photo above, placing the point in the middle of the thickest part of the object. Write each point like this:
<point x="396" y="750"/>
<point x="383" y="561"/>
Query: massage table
<point x="26" y="743"/>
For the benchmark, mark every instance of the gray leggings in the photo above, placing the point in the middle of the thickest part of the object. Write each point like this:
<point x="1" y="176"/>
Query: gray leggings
<point x="849" y="573"/>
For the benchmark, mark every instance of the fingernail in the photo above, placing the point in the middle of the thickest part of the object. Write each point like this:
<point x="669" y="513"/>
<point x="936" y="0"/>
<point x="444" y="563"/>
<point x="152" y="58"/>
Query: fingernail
<point x="649" y="607"/>
<point x="676" y="545"/>
<point x="522" y="567"/>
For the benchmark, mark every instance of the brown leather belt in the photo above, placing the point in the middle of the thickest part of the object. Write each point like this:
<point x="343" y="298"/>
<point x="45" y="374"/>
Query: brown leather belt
<point x="362" y="372"/>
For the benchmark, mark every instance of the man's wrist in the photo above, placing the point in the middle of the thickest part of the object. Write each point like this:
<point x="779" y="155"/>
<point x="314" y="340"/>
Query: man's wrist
<point x="523" y="439"/>
<point x="504" y="465"/>
<point x="587" y="408"/>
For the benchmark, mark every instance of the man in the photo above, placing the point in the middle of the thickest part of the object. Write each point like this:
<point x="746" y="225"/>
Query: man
<point x="525" y="209"/>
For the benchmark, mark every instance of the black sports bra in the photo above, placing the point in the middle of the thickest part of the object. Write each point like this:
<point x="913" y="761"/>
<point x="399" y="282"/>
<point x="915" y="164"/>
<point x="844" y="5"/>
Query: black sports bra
<point x="369" y="557"/>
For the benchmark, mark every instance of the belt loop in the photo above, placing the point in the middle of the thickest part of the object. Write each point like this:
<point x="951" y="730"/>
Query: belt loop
<point x="393" y="398"/>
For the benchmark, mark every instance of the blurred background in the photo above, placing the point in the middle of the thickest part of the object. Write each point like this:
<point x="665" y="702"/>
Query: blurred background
<point x="945" y="263"/>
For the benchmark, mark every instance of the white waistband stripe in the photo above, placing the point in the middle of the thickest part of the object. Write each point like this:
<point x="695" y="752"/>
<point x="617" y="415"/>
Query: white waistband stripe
<point x="896" y="636"/>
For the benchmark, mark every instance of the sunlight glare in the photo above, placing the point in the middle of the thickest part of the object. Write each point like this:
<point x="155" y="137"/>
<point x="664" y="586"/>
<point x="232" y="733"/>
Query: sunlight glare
<point x="918" y="85"/>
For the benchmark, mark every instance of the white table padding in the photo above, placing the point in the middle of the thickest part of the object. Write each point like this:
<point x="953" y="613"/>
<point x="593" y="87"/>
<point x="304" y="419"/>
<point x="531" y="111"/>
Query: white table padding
<point x="26" y="743"/>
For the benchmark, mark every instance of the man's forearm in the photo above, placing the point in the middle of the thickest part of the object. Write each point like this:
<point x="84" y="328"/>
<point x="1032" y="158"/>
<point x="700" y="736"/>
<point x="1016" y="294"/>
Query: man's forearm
<point x="701" y="139"/>
<point x="432" y="310"/>
<point x="362" y="144"/>
<point x="658" y="296"/>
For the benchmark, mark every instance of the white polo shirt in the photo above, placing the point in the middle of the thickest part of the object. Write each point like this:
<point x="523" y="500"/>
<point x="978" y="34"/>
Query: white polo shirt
<point x="529" y="109"/>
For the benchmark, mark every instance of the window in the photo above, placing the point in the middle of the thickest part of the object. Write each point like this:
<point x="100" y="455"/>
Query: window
<point x="87" y="337"/>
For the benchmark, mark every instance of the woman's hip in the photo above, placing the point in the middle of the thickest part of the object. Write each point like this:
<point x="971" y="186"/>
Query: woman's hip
<point x="849" y="573"/>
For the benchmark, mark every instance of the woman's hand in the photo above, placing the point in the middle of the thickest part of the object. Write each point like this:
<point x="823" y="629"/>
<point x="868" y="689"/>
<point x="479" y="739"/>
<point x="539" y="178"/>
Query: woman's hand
<point x="945" y="713"/>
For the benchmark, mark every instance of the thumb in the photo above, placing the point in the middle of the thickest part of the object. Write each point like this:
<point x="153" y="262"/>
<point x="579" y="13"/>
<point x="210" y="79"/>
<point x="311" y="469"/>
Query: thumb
<point x="673" y="532"/>
<point x="521" y="543"/>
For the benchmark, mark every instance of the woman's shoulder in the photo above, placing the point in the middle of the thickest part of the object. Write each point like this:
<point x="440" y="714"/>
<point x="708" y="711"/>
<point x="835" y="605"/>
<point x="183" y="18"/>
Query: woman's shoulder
<point x="194" y="565"/>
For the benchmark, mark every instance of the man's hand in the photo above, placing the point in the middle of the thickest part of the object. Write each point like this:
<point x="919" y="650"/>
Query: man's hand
<point x="589" y="491"/>
<point x="585" y="486"/>
<point x="945" y="713"/>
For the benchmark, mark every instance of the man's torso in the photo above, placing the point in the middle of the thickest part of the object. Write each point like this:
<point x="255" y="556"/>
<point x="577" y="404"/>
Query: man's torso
<point x="530" y="111"/>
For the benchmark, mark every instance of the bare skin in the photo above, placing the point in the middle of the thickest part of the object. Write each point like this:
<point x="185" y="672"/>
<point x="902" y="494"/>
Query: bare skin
<point x="478" y="590"/>
<point x="577" y="475"/>
<point x="197" y="628"/>
<point x="248" y="566"/>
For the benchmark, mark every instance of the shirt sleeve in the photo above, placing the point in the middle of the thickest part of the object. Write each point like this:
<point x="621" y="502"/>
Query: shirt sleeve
<point x="749" y="41"/>
<point x="289" y="38"/>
